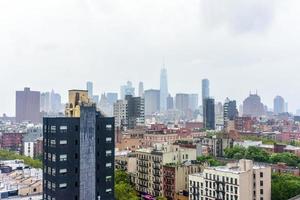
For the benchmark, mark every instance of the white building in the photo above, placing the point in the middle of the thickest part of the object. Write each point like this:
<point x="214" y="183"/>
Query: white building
<point x="29" y="149"/>
<point x="236" y="181"/>
<point x="120" y="113"/>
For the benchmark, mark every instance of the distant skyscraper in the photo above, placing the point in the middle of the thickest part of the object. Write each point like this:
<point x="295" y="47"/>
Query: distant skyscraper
<point x="230" y="111"/>
<point x="141" y="89"/>
<point x="50" y="102"/>
<point x="298" y="112"/>
<point x="205" y="89"/>
<point x="28" y="106"/>
<point x="96" y="99"/>
<point x="279" y="105"/>
<point x="193" y="102"/>
<point x="135" y="111"/>
<point x="152" y="101"/>
<point x="182" y="103"/>
<point x="79" y="157"/>
<point x="209" y="114"/>
<point x="286" y="107"/>
<point x="163" y="89"/>
<point x="253" y="107"/>
<point x="89" y="88"/>
<point x="112" y="97"/>
<point x="170" y="102"/>
<point x="121" y="113"/>
<point x="105" y="107"/>
<point x="127" y="89"/>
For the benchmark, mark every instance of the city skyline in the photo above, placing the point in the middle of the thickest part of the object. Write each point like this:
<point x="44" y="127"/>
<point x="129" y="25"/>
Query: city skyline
<point x="257" y="56"/>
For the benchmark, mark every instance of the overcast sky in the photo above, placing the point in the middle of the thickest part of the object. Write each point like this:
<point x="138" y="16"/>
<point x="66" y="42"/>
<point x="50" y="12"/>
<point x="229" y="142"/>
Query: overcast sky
<point x="240" y="45"/>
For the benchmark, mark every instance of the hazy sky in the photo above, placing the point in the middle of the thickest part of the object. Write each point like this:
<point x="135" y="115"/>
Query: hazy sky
<point x="240" y="45"/>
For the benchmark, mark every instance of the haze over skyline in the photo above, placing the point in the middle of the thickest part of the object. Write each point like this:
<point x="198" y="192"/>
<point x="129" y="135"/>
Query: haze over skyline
<point x="238" y="45"/>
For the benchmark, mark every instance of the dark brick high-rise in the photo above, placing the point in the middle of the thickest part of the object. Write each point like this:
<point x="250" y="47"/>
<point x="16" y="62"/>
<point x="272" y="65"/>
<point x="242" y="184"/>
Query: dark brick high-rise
<point x="79" y="157"/>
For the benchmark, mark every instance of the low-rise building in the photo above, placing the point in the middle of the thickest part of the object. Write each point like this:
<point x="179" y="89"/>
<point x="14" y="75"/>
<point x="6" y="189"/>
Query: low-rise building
<point x="175" y="178"/>
<point x="150" y="164"/>
<point x="236" y="181"/>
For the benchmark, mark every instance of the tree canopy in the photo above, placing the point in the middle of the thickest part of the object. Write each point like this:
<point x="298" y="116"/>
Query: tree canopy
<point x="9" y="155"/>
<point x="123" y="189"/>
<point x="285" y="186"/>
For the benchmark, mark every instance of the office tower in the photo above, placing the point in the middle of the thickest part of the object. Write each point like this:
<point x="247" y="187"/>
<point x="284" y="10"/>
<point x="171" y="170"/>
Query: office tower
<point x="219" y="115"/>
<point x="45" y="102"/>
<point x="79" y="156"/>
<point x="182" y="103"/>
<point x="209" y="114"/>
<point x="121" y="114"/>
<point x="127" y="89"/>
<point x="28" y="106"/>
<point x="152" y="101"/>
<point x="163" y="89"/>
<point x="141" y="89"/>
<point x="105" y="107"/>
<point x="136" y="111"/>
<point x="170" y="102"/>
<point x="193" y="102"/>
<point x="230" y="111"/>
<point x="55" y="102"/>
<point x="243" y="180"/>
<point x="96" y="99"/>
<point x="112" y="97"/>
<point x="279" y="106"/>
<point x="76" y="97"/>
<point x="205" y="89"/>
<point x="286" y="107"/>
<point x="89" y="88"/>
<point x="50" y="102"/>
<point x="252" y="106"/>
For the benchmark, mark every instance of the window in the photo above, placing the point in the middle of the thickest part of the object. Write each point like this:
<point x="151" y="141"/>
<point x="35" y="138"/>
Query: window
<point x="62" y="142"/>
<point x="63" y="157"/>
<point x="108" y="127"/>
<point x="261" y="191"/>
<point x="53" y="171"/>
<point x="53" y="186"/>
<point x="108" y="179"/>
<point x="52" y="143"/>
<point x="108" y="190"/>
<point x="108" y="153"/>
<point x="53" y="158"/>
<point x="63" y="171"/>
<point x="261" y="183"/>
<point x="63" y="129"/>
<point x="261" y="175"/>
<point x="62" y="185"/>
<point x="108" y="165"/>
<point x="53" y="129"/>
<point x="108" y="140"/>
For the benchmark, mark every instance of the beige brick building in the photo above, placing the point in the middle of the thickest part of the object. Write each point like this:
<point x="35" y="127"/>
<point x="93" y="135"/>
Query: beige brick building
<point x="236" y="181"/>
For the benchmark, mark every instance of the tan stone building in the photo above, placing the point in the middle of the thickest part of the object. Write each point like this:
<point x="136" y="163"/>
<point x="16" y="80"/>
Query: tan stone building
<point x="150" y="162"/>
<point x="236" y="181"/>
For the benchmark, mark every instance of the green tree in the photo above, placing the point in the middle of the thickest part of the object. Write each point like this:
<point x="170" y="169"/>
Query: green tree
<point x="288" y="158"/>
<point x="123" y="189"/>
<point x="210" y="160"/>
<point x="285" y="186"/>
<point x="8" y="155"/>
<point x="231" y="152"/>
<point x="257" y="154"/>
<point x="161" y="198"/>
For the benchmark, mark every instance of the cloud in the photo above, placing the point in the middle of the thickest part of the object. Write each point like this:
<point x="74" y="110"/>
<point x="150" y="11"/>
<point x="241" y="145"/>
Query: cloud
<point x="239" y="16"/>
